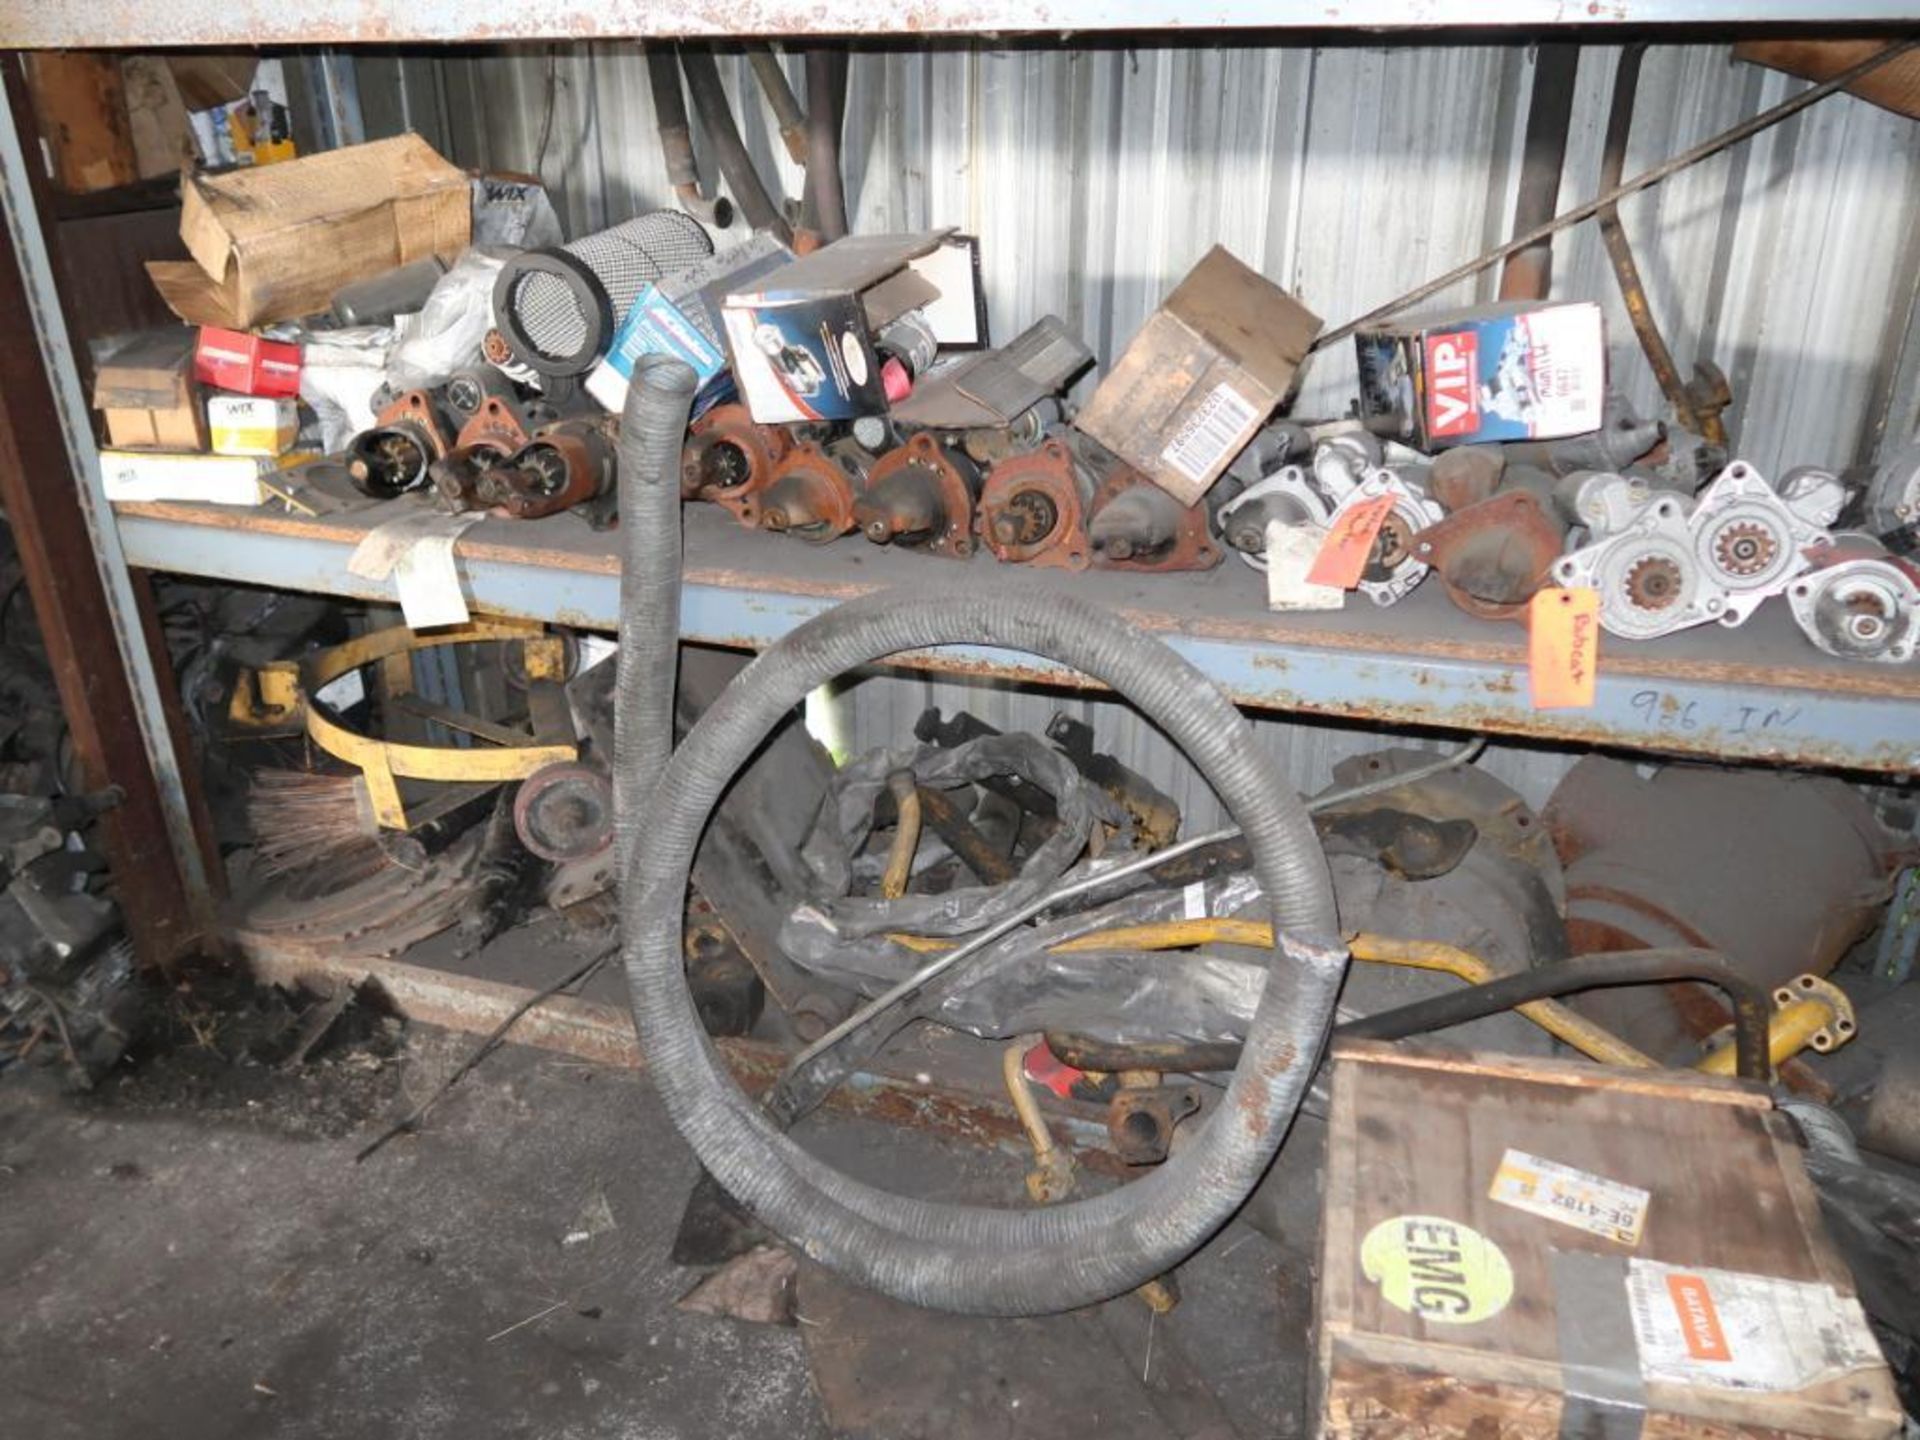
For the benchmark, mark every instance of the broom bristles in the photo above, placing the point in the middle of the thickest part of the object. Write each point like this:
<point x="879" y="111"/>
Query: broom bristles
<point x="303" y="821"/>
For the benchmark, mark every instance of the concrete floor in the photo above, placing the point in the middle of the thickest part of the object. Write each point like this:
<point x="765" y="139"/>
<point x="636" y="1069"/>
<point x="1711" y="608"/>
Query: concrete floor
<point x="208" y="1260"/>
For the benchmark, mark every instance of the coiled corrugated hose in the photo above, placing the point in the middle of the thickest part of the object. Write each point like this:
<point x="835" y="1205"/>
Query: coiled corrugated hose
<point x="652" y="428"/>
<point x="954" y="1257"/>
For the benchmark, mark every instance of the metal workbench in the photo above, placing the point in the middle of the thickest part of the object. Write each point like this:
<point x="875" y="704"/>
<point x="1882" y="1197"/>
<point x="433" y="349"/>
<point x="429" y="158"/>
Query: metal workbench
<point x="1759" y="693"/>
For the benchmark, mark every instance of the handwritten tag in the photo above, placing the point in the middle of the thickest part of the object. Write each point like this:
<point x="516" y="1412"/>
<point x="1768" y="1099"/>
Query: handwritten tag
<point x="1343" y="557"/>
<point x="1563" y="647"/>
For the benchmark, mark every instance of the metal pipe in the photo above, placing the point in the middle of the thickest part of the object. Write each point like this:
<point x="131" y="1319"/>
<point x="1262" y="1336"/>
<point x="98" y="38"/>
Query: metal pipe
<point x="1746" y="130"/>
<point x="1529" y="272"/>
<point x="1752" y="1006"/>
<point x="676" y="139"/>
<point x="716" y="117"/>
<point x="1087" y="885"/>
<point x="906" y="835"/>
<point x="826" y="106"/>
<point x="1051" y="1178"/>
<point x="1590" y="1039"/>
<point x="1791" y="1030"/>
<point x="780" y="99"/>
<point x="1613" y="163"/>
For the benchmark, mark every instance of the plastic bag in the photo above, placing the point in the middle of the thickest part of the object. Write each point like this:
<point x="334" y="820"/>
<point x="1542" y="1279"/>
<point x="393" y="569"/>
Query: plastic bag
<point x="846" y="818"/>
<point x="340" y="373"/>
<point x="445" y="336"/>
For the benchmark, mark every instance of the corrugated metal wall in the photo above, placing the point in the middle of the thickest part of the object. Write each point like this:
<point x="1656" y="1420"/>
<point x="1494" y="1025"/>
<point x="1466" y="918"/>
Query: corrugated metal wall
<point x="1096" y="176"/>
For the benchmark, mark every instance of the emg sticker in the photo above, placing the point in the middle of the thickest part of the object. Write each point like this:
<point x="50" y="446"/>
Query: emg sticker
<point x="1437" y="1269"/>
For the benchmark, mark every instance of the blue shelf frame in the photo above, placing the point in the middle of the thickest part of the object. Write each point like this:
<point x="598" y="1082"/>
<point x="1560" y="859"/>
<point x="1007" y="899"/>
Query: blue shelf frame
<point x="1760" y="694"/>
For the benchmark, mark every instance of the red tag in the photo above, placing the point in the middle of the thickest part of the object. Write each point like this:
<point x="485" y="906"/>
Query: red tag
<point x="1699" y="1320"/>
<point x="1343" y="554"/>
<point x="1043" y="1067"/>
<point x="1563" y="647"/>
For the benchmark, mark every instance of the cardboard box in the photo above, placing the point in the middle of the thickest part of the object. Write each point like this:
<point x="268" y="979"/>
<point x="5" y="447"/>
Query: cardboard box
<point x="144" y="388"/>
<point x="132" y="475"/>
<point x="1516" y="371"/>
<point x="252" y="424"/>
<point x="1202" y="375"/>
<point x="156" y="117"/>
<point x="275" y="243"/>
<point x="245" y="364"/>
<point x="80" y="100"/>
<point x="1534" y="1249"/>
<point x="996" y="387"/>
<point x="680" y="316"/>
<point x="803" y="341"/>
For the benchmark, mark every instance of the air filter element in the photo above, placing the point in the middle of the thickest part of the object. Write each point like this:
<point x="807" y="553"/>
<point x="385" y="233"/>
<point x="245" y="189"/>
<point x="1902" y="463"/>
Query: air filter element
<point x="558" y="308"/>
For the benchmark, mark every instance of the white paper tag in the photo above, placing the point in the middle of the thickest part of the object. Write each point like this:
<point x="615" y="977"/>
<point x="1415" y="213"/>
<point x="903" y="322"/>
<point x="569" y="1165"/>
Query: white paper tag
<point x="1193" y="901"/>
<point x="1291" y="551"/>
<point x="416" y="549"/>
<point x="1218" y="428"/>
<point x="1700" y="1326"/>
<point x="1573" y="1197"/>
<point x="428" y="584"/>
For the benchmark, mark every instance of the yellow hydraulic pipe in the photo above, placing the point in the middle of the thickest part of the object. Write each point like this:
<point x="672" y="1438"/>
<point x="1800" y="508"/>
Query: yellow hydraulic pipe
<point x="1051" y="1179"/>
<point x="1550" y="1015"/>
<point x="1790" y="1031"/>
<point x="906" y="838"/>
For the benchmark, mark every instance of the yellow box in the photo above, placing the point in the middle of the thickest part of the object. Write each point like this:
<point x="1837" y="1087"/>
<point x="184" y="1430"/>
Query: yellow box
<point x="251" y="424"/>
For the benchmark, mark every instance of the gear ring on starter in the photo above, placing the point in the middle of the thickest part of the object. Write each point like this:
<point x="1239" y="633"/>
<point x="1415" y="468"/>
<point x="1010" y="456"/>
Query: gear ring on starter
<point x="1655" y="583"/>
<point x="1745" y="549"/>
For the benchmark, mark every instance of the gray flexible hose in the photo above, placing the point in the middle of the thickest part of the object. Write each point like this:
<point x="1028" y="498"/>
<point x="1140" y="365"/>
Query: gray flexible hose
<point x="652" y="428"/>
<point x="965" y="1258"/>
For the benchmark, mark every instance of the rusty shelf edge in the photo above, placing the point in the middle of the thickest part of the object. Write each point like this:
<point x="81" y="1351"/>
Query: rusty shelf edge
<point x="146" y="24"/>
<point x="1781" y="704"/>
<point x="604" y="1035"/>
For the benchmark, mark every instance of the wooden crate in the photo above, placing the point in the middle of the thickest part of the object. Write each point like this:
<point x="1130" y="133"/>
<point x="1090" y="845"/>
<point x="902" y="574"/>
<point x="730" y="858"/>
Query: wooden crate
<point x="1569" y="1307"/>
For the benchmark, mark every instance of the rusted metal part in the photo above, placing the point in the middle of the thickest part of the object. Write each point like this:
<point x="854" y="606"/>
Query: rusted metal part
<point x="1528" y="273"/>
<point x="1135" y="525"/>
<point x="811" y="496"/>
<point x="568" y="464"/>
<point x="565" y="812"/>
<point x="1141" y="1119"/>
<point x="1155" y="816"/>
<point x="497" y="425"/>
<point x="1033" y="509"/>
<point x="1491" y="556"/>
<point x="943" y="817"/>
<point x="920" y="495"/>
<point x="407" y="437"/>
<point x="1783" y="874"/>
<point x="167" y="910"/>
<point x="460" y="478"/>
<point x="729" y="460"/>
<point x="603" y="1033"/>
<point x="991" y="444"/>
<point x="1180" y="1058"/>
<point x="1696" y="404"/>
<point x="1466" y="475"/>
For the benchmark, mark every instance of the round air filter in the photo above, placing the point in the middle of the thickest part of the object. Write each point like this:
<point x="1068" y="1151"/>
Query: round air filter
<point x="558" y="308"/>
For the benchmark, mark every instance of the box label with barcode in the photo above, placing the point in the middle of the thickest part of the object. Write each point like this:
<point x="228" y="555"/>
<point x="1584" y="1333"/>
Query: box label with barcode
<point x="1212" y="435"/>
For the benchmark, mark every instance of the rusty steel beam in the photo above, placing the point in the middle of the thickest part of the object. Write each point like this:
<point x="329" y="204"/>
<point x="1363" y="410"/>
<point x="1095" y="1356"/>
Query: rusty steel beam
<point x="160" y="24"/>
<point x="603" y="1034"/>
<point x="91" y="617"/>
